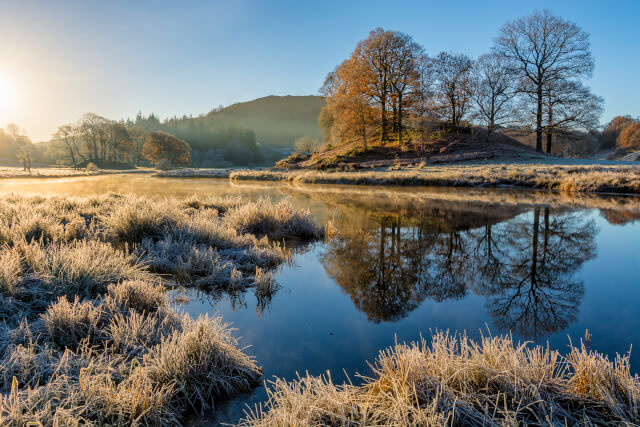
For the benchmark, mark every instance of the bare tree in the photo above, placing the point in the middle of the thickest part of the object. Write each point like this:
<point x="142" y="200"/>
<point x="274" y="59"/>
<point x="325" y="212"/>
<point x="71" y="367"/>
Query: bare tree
<point x="305" y="145"/>
<point x="570" y="105"/>
<point x="14" y="132"/>
<point x="375" y="50"/>
<point x="92" y="133"/>
<point x="24" y="151"/>
<point x="68" y="137"/>
<point x="138" y="136"/>
<point x="404" y="76"/>
<point x="493" y="89"/>
<point x="452" y="73"/>
<point x="421" y="105"/>
<point x="545" y="48"/>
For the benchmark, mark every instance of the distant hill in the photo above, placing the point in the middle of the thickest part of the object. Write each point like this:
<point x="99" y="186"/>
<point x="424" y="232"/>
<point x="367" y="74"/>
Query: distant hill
<point x="276" y="120"/>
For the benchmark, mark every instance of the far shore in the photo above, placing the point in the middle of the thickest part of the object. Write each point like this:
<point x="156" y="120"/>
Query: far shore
<point x="8" y="172"/>
<point x="565" y="175"/>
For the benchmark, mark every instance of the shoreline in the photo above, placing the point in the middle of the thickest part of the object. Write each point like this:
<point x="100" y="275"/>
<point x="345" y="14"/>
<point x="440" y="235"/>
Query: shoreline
<point x="569" y="178"/>
<point x="52" y="172"/>
<point x="564" y="177"/>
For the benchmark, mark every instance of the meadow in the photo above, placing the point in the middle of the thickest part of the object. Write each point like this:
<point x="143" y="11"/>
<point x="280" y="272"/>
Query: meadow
<point x="88" y="334"/>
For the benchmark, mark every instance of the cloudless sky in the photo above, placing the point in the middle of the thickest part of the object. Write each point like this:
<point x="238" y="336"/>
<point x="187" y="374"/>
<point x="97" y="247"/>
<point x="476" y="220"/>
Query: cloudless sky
<point x="114" y="58"/>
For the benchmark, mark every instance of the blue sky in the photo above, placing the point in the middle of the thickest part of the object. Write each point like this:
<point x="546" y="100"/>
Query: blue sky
<point x="62" y="59"/>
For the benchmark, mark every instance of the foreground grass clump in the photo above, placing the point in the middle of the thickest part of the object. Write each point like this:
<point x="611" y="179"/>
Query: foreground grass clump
<point x="456" y="381"/>
<point x="87" y="335"/>
<point x="567" y="178"/>
<point x="104" y="361"/>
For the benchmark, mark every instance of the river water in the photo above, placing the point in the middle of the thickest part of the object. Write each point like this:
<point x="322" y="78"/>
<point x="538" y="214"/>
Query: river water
<point x="544" y="267"/>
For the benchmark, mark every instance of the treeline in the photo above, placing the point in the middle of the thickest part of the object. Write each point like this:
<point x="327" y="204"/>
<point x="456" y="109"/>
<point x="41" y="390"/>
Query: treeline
<point x="198" y="141"/>
<point x="532" y="80"/>
<point x="102" y="141"/>
<point x="213" y="142"/>
<point x="95" y="139"/>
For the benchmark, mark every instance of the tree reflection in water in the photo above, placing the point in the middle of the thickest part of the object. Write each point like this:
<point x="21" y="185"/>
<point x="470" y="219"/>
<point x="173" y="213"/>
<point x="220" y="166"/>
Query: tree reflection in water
<point x="523" y="263"/>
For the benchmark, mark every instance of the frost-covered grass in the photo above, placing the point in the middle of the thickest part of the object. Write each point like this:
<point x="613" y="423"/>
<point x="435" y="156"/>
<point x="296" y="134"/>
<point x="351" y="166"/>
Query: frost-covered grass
<point x="60" y="172"/>
<point x="195" y="173"/>
<point x="561" y="177"/>
<point x="456" y="381"/>
<point x="86" y="332"/>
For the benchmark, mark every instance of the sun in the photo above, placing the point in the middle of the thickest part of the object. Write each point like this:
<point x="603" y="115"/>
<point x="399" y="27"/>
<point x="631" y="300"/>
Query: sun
<point x="6" y="96"/>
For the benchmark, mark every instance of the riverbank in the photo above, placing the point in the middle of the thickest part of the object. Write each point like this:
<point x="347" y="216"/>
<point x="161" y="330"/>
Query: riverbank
<point x="194" y="173"/>
<point x="54" y="172"/>
<point x="456" y="381"/>
<point x="87" y="331"/>
<point x="590" y="178"/>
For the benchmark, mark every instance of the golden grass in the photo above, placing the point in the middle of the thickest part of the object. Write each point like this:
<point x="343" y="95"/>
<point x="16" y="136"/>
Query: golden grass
<point x="87" y="335"/>
<point x="457" y="381"/>
<point x="568" y="178"/>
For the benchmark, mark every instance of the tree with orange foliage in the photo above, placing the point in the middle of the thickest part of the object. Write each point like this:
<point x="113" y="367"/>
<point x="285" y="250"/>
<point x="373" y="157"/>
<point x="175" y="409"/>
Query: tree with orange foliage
<point x="629" y="138"/>
<point x="613" y="129"/>
<point x="348" y="104"/>
<point x="161" y="146"/>
<point x="384" y="71"/>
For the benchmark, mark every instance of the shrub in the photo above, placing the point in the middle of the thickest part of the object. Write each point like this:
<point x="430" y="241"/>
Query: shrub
<point x="164" y="165"/>
<point x="92" y="167"/>
<point x="139" y="295"/>
<point x="202" y="362"/>
<point x="138" y="218"/>
<point x="67" y="324"/>
<point x="276" y="220"/>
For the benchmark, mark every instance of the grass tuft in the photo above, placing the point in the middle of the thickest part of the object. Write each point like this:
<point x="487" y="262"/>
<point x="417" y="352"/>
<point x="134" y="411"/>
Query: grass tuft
<point x="458" y="381"/>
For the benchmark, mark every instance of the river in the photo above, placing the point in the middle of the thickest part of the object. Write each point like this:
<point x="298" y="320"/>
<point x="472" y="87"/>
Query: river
<point x="544" y="267"/>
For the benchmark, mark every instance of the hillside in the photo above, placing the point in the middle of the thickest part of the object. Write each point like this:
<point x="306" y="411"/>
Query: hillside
<point x="449" y="147"/>
<point x="276" y="120"/>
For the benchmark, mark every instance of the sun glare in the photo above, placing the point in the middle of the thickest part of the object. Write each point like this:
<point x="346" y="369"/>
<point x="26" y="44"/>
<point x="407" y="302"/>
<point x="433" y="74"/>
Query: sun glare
<point x="6" y="96"/>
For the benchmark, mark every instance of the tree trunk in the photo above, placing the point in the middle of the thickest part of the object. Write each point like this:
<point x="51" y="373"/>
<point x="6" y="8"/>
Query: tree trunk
<point x="539" y="121"/>
<point x="490" y="128"/>
<point x="546" y="230"/>
<point x="550" y="130"/>
<point x="400" y="120"/>
<point x="534" y="247"/>
<point x="383" y="119"/>
<point x="492" y="120"/>
<point x="394" y="115"/>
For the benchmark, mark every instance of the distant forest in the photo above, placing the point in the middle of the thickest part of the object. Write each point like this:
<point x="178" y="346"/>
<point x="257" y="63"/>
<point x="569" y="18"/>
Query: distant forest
<point x="257" y="132"/>
<point x="243" y="133"/>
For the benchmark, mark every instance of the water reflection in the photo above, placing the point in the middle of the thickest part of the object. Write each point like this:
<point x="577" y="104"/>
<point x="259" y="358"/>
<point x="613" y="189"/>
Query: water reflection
<point x="523" y="263"/>
<point x="533" y="290"/>
<point x="397" y="247"/>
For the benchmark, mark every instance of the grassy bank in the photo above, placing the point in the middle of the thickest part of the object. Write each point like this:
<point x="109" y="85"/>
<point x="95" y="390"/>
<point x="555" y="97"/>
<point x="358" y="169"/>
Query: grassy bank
<point x="87" y="334"/>
<point x="194" y="173"/>
<point x="568" y="178"/>
<point x="455" y="381"/>
<point x="61" y="172"/>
